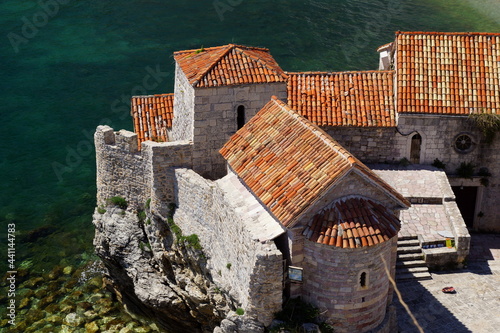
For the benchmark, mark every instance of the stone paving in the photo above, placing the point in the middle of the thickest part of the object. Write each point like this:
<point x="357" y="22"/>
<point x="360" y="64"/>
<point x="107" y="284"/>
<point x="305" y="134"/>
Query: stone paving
<point x="475" y="307"/>
<point x="425" y="220"/>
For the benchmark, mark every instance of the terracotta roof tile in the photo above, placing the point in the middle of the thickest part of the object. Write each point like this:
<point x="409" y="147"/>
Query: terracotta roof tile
<point x="361" y="99"/>
<point x="288" y="162"/>
<point x="228" y="65"/>
<point x="447" y="73"/>
<point x="352" y="223"/>
<point x="152" y="116"/>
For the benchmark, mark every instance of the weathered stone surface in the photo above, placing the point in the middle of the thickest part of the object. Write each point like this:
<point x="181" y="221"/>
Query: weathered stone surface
<point x="166" y="289"/>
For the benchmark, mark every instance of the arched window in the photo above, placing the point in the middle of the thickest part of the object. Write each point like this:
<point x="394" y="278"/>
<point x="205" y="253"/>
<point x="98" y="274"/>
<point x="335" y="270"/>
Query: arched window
<point x="416" y="142"/>
<point x="240" y="116"/>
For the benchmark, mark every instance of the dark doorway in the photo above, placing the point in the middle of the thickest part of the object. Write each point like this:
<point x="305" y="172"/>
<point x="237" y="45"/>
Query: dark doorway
<point x="416" y="142"/>
<point x="466" y="201"/>
<point x="240" y="117"/>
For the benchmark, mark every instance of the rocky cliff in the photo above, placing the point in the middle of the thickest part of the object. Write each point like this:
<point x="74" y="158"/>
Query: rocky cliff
<point x="162" y="275"/>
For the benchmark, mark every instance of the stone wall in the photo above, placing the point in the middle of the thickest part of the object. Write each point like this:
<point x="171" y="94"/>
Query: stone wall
<point x="438" y="136"/>
<point x="135" y="175"/>
<point x="438" y="132"/>
<point x="369" y="144"/>
<point x="215" y="120"/>
<point x="332" y="283"/>
<point x="250" y="271"/>
<point x="182" y="124"/>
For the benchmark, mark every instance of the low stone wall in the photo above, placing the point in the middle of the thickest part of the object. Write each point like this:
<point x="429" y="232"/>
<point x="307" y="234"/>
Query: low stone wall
<point x="250" y="271"/>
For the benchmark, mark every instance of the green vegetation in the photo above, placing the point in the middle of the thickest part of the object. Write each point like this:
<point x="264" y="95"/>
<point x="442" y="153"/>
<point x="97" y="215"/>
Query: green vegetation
<point x="119" y="202"/>
<point x="101" y="210"/>
<point x="240" y="311"/>
<point x="148" y="221"/>
<point x="465" y="170"/>
<point x="485" y="174"/>
<point x="297" y="312"/>
<point x="200" y="50"/>
<point x="228" y="265"/>
<point x="438" y="164"/>
<point x="141" y="215"/>
<point x="148" y="203"/>
<point x="191" y="241"/>
<point x="404" y="162"/>
<point x="487" y="123"/>
<point x="145" y="246"/>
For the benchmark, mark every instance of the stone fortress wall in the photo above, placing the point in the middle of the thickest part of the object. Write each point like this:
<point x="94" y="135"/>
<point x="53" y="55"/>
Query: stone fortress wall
<point x="247" y="269"/>
<point x="251" y="272"/>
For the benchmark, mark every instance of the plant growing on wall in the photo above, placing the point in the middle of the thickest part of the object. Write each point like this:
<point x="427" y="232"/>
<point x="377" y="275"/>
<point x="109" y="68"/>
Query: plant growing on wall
<point x="484" y="173"/>
<point x="465" y="170"/>
<point x="438" y="164"/>
<point x="119" y="202"/>
<point x="297" y="312"/>
<point x="487" y="123"/>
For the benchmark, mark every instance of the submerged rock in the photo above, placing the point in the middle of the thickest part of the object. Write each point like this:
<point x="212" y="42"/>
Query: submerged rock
<point x="73" y="319"/>
<point x="91" y="327"/>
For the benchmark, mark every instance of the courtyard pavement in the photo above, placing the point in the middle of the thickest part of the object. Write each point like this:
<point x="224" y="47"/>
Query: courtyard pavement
<point x="475" y="307"/>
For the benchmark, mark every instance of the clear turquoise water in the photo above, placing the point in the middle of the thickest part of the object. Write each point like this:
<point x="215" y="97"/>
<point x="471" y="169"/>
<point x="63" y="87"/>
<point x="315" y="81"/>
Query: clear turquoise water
<point x="78" y="69"/>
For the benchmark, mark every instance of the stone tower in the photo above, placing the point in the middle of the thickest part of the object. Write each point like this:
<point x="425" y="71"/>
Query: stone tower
<point x="217" y="90"/>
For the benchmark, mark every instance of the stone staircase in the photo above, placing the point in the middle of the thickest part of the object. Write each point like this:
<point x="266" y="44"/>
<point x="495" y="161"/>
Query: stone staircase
<point x="410" y="264"/>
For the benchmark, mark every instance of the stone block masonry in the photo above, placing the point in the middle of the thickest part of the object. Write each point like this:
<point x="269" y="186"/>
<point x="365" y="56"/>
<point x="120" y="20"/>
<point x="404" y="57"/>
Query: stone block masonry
<point x="333" y="283"/>
<point x="250" y="271"/>
<point x="216" y="119"/>
<point x="137" y="176"/>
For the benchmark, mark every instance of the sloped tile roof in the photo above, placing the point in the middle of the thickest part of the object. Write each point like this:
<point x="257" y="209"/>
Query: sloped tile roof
<point x="152" y="116"/>
<point x="353" y="223"/>
<point x="361" y="99"/>
<point x="447" y="73"/>
<point x="288" y="162"/>
<point x="229" y="65"/>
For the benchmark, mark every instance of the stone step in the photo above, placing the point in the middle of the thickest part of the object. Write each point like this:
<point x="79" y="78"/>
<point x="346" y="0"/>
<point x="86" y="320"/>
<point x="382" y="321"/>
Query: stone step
<point x="410" y="263"/>
<point x="408" y="242"/>
<point x="413" y="276"/>
<point x="409" y="249"/>
<point x="419" y="269"/>
<point x="410" y="256"/>
<point x="403" y="238"/>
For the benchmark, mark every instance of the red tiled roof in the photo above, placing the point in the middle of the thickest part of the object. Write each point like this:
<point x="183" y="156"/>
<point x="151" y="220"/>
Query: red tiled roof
<point x="362" y="99"/>
<point x="353" y="223"/>
<point x="288" y="162"/>
<point x="152" y="116"/>
<point x="228" y="65"/>
<point x="447" y="73"/>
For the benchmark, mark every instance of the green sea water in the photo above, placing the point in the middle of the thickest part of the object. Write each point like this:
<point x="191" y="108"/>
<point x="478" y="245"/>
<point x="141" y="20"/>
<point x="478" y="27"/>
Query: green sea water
<point x="69" y="66"/>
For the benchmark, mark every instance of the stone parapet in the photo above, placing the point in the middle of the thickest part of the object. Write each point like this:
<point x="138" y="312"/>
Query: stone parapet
<point x="123" y="170"/>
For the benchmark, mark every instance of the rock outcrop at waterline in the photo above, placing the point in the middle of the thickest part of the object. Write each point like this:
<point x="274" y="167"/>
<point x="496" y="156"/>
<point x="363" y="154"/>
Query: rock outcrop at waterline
<point x="159" y="277"/>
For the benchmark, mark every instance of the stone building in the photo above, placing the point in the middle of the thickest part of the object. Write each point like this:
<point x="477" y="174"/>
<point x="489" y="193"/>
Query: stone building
<point x="269" y="168"/>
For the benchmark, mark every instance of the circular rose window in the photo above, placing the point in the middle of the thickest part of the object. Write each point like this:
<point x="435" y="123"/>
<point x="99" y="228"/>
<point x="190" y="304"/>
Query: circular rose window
<point x="463" y="143"/>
